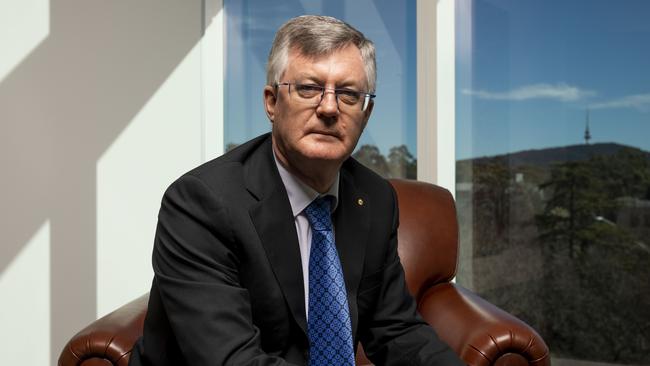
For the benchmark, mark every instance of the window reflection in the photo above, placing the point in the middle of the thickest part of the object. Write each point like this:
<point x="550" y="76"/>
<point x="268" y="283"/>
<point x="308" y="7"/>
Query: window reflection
<point x="553" y="170"/>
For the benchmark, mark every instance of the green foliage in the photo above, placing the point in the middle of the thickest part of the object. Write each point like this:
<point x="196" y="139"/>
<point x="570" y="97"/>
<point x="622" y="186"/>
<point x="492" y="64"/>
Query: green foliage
<point x="491" y="203"/>
<point x="626" y="174"/>
<point x="562" y="246"/>
<point x="370" y="156"/>
<point x="577" y="201"/>
<point x="584" y="193"/>
<point x="400" y="162"/>
<point x="592" y="261"/>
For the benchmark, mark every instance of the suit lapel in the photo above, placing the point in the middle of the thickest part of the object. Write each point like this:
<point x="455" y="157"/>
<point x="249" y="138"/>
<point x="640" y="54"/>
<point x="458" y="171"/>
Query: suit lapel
<point x="274" y="222"/>
<point x="352" y="223"/>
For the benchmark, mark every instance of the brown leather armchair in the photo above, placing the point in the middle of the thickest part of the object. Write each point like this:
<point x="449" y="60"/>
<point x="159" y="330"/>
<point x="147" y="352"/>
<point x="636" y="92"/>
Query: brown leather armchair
<point x="478" y="331"/>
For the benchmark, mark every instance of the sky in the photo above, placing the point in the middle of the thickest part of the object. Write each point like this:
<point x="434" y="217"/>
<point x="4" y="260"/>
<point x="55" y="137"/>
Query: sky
<point x="251" y="26"/>
<point x="528" y="71"/>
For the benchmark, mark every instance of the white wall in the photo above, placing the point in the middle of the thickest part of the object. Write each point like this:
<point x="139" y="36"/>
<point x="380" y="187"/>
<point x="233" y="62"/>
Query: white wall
<point x="102" y="105"/>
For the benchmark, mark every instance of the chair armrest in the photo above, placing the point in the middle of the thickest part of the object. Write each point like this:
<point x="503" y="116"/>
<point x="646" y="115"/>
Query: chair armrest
<point x="481" y="333"/>
<point x="109" y="340"/>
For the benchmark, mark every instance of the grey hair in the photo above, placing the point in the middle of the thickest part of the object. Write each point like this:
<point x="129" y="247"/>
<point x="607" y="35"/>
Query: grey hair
<point x="315" y="36"/>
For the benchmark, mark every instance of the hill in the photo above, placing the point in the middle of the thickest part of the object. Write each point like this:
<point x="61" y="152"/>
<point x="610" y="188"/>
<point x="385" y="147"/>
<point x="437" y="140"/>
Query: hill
<point x="536" y="163"/>
<point x="545" y="157"/>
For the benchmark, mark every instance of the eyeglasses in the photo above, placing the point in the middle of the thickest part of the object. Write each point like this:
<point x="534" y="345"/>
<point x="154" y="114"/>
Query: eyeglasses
<point x="312" y="94"/>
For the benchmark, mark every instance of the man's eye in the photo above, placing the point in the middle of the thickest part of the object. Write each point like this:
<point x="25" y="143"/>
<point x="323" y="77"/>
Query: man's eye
<point x="309" y="88"/>
<point x="347" y="93"/>
<point x="348" y="96"/>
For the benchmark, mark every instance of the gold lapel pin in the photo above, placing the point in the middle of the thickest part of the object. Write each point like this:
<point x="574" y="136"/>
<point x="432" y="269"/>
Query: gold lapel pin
<point x="360" y="202"/>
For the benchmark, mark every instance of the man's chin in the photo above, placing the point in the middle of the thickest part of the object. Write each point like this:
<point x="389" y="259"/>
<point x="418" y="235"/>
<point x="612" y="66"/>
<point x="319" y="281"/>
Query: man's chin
<point x="324" y="154"/>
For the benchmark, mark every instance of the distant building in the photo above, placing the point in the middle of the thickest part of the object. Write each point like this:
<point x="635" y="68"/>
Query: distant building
<point x="519" y="178"/>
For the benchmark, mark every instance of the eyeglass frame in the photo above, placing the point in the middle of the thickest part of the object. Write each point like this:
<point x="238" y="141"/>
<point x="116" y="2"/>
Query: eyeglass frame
<point x="367" y="97"/>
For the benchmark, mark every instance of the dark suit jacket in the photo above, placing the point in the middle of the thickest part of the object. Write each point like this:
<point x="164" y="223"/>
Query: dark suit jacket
<point x="228" y="284"/>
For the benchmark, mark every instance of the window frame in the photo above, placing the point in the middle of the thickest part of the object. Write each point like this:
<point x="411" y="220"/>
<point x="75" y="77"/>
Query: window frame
<point x="436" y="121"/>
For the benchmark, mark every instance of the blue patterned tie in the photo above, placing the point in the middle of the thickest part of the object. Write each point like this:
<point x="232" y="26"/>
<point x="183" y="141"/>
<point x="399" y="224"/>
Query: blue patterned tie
<point x="329" y="328"/>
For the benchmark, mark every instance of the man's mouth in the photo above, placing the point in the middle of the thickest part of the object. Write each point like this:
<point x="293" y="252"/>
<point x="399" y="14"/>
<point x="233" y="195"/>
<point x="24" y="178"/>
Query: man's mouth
<point x="326" y="133"/>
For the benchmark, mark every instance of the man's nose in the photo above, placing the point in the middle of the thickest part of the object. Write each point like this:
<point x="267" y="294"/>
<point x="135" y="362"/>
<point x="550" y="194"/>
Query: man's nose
<point x="329" y="104"/>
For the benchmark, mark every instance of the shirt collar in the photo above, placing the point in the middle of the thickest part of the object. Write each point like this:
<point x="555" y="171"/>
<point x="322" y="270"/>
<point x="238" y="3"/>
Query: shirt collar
<point x="300" y="194"/>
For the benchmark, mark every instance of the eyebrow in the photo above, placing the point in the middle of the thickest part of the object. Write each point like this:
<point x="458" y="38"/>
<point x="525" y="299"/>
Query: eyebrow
<point x="344" y="84"/>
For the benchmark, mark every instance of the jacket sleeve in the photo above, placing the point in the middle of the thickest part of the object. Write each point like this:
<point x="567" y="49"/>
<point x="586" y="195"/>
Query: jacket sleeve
<point x="395" y="334"/>
<point x="195" y="262"/>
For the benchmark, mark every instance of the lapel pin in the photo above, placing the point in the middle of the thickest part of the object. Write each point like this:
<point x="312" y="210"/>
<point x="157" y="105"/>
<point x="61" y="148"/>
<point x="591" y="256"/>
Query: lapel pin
<point x="360" y="202"/>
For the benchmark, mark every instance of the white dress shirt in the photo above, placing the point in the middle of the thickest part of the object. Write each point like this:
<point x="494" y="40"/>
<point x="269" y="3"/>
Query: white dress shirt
<point x="300" y="196"/>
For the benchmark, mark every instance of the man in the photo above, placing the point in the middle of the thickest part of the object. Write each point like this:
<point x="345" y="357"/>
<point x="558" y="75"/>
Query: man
<point x="283" y="251"/>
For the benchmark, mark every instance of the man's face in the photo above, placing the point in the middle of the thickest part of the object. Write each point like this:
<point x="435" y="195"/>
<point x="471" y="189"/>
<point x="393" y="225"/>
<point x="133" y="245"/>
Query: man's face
<point x="307" y="133"/>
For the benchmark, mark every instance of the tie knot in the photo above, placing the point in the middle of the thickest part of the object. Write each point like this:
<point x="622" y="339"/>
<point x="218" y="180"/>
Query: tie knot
<point x="318" y="214"/>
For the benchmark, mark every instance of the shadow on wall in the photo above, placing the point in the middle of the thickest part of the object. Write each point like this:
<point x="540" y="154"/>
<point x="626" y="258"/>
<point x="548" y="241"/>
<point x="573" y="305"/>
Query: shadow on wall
<point x="60" y="108"/>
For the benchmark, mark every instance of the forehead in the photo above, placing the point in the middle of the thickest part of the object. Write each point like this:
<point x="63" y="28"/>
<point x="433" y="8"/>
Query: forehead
<point x="343" y="66"/>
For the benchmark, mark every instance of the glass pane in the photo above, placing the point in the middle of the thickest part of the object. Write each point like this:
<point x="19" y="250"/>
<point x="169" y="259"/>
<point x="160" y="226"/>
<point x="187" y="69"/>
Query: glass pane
<point x="553" y="170"/>
<point x="389" y="143"/>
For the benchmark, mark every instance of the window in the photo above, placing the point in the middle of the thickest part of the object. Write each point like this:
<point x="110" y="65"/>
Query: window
<point x="389" y="143"/>
<point x="553" y="169"/>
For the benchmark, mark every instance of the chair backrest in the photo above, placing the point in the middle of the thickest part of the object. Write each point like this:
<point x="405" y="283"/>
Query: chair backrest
<point x="428" y="234"/>
<point x="428" y="249"/>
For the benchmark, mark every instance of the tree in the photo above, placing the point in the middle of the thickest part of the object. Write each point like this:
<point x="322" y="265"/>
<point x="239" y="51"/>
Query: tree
<point x="576" y="201"/>
<point x="491" y="201"/>
<point x="596" y="272"/>
<point x="401" y="163"/>
<point x="624" y="174"/>
<point x="371" y="157"/>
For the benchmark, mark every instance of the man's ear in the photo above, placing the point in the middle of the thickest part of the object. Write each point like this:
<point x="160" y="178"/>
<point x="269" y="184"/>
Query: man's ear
<point x="270" y="99"/>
